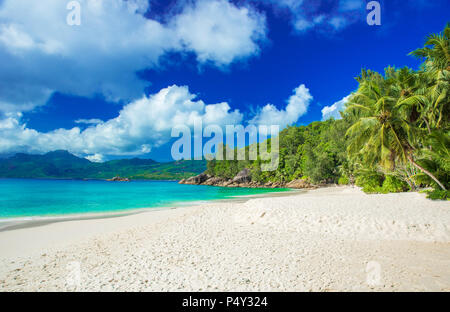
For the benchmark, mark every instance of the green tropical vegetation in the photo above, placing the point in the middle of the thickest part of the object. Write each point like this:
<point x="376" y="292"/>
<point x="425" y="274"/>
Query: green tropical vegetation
<point x="63" y="165"/>
<point x="393" y="135"/>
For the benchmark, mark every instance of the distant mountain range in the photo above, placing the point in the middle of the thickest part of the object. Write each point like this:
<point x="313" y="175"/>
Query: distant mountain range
<point x="64" y="165"/>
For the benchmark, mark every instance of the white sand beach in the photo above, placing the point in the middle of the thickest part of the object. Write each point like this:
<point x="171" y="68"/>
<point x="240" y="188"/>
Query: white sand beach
<point x="330" y="239"/>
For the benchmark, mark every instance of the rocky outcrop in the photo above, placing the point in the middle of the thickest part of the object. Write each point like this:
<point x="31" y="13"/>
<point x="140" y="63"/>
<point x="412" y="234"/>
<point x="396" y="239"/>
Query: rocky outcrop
<point x="118" y="179"/>
<point x="214" y="181"/>
<point x="298" y="184"/>
<point x="244" y="179"/>
<point x="198" y="179"/>
<point x="244" y="176"/>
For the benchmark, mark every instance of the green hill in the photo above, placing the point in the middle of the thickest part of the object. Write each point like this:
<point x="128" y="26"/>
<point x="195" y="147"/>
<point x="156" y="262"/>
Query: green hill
<point x="64" y="165"/>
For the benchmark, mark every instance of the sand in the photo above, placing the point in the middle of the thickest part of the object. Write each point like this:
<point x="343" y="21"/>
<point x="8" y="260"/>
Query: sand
<point x="331" y="239"/>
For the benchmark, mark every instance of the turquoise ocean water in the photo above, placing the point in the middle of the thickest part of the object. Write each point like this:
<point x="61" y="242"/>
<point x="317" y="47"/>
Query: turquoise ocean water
<point x="26" y="198"/>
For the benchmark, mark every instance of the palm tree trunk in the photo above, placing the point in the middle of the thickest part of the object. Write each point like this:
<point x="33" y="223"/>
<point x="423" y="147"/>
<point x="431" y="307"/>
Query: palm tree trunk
<point x="429" y="131"/>
<point x="426" y="172"/>
<point x="411" y="185"/>
<point x="428" y="125"/>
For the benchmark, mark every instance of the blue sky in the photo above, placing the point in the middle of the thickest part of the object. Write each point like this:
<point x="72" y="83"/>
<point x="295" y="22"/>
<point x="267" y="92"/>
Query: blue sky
<point x="116" y="84"/>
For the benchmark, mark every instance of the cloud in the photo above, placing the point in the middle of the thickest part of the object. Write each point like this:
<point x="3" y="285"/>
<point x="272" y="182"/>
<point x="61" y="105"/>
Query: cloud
<point x="140" y="126"/>
<point x="297" y="106"/>
<point x="334" y="110"/>
<point x="308" y="15"/>
<point x="219" y="32"/>
<point x="89" y="121"/>
<point x="98" y="158"/>
<point x="41" y="54"/>
<point x="338" y="22"/>
<point x="350" y="5"/>
<point x="138" y="6"/>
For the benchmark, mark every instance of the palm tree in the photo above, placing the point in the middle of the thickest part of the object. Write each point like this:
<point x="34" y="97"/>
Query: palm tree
<point x="436" y="51"/>
<point x="381" y="134"/>
<point x="374" y="133"/>
<point x="427" y="100"/>
<point x="432" y="96"/>
<point x="431" y="100"/>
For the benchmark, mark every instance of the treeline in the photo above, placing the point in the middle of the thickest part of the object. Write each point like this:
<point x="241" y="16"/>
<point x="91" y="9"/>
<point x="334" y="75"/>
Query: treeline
<point x="315" y="152"/>
<point x="393" y="135"/>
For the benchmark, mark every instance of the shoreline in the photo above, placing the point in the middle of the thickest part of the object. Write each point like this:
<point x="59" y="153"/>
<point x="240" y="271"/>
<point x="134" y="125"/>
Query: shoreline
<point x="22" y="222"/>
<point x="319" y="240"/>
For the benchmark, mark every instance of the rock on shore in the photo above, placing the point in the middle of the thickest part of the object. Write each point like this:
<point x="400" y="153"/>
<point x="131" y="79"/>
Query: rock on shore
<point x="118" y="179"/>
<point x="244" y="179"/>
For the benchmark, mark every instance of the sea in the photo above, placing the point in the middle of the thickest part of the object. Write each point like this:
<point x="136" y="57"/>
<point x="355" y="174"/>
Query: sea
<point x="46" y="198"/>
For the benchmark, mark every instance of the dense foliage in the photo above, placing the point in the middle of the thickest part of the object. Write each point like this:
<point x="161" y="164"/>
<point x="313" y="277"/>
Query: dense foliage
<point x="393" y="135"/>
<point x="316" y="152"/>
<point x="63" y="165"/>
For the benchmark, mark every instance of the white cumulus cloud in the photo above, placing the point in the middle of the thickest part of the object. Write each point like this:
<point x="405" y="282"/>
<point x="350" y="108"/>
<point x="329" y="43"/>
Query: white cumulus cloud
<point x="98" y="158"/>
<point x="335" y="109"/>
<point x="41" y="54"/>
<point x="140" y="126"/>
<point x="219" y="32"/>
<point x="297" y="106"/>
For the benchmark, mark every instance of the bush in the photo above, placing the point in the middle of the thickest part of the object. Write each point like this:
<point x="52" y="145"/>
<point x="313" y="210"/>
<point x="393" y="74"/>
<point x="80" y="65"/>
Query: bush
<point x="393" y="185"/>
<point x="370" y="182"/>
<point x="343" y="180"/>
<point x="439" y="194"/>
